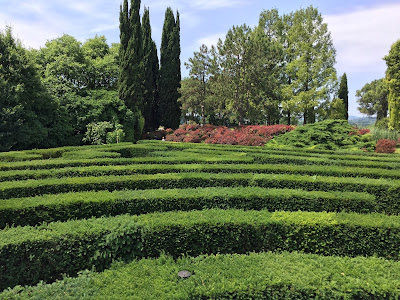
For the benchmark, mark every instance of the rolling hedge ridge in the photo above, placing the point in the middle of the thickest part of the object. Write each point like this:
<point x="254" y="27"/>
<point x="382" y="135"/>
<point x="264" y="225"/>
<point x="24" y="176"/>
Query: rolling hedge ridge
<point x="71" y="246"/>
<point x="62" y="207"/>
<point x="386" y="191"/>
<point x="231" y="276"/>
<point x="108" y="170"/>
<point x="266" y="223"/>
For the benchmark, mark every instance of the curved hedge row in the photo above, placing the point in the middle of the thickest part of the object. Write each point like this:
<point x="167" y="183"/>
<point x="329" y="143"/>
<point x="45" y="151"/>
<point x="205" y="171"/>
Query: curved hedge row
<point x="63" y="163"/>
<point x="62" y="207"/>
<point x="324" y="161"/>
<point x="115" y="170"/>
<point x="386" y="191"/>
<point x="253" y="276"/>
<point x="66" y="248"/>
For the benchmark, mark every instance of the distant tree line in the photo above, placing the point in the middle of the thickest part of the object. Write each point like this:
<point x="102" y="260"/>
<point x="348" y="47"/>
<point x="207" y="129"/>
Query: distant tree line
<point x="278" y="72"/>
<point x="71" y="93"/>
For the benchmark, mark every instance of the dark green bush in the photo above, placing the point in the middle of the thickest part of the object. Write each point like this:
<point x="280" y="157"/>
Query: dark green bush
<point x="328" y="134"/>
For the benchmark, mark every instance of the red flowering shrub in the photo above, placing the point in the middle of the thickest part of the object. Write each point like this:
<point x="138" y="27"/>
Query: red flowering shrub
<point x="364" y="131"/>
<point x="359" y="131"/>
<point x="253" y="135"/>
<point x="385" y="146"/>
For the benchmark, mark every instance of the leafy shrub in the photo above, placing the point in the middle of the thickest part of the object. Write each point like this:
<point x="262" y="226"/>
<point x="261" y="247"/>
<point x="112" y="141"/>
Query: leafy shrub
<point x="30" y="254"/>
<point x="380" y="134"/>
<point x="327" y="135"/>
<point x="62" y="207"/>
<point x="254" y="135"/>
<point x="385" y="146"/>
<point x="230" y="276"/>
<point x="96" y="133"/>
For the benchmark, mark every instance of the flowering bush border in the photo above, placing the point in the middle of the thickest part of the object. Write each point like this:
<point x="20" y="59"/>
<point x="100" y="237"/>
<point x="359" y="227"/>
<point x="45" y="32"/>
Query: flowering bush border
<point x="252" y="135"/>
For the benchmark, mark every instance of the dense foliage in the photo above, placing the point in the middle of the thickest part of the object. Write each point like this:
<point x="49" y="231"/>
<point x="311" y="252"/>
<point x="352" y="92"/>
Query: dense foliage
<point x="385" y="146"/>
<point x="28" y="114"/>
<point x="170" y="71"/>
<point x="373" y="99"/>
<point x="67" y="209"/>
<point x="393" y="80"/>
<point x="245" y="135"/>
<point x="281" y="70"/>
<point x="343" y="94"/>
<point x="329" y="134"/>
<point x="253" y="276"/>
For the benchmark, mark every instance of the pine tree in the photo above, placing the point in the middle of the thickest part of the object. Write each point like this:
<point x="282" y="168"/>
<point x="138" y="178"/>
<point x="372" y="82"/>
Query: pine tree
<point x="170" y="71"/>
<point x="151" y="75"/>
<point x="131" y="66"/>
<point x="344" y="95"/>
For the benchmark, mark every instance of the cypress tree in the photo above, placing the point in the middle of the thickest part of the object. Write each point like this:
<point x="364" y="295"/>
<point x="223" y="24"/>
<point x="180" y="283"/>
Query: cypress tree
<point x="344" y="95"/>
<point x="393" y="81"/>
<point x="151" y="75"/>
<point x="170" y="71"/>
<point x="131" y="67"/>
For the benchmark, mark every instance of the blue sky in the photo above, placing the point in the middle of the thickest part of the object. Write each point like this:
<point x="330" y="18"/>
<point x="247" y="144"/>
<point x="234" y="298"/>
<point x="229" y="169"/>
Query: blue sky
<point x="362" y="30"/>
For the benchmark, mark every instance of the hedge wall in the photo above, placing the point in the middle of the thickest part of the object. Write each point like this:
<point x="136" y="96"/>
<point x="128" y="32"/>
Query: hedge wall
<point x="30" y="254"/>
<point x="62" y="207"/>
<point x="386" y="191"/>
<point x="339" y="171"/>
<point x="253" y="276"/>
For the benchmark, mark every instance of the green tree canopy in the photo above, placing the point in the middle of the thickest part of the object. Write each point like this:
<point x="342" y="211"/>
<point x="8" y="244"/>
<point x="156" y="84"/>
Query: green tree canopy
<point x="27" y="112"/>
<point x="393" y="80"/>
<point x="313" y="75"/>
<point x="373" y="99"/>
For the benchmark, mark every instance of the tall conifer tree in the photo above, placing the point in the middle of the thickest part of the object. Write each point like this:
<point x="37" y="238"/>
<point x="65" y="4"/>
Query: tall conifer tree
<point x="344" y="95"/>
<point x="131" y="65"/>
<point x="393" y="81"/>
<point x="170" y="71"/>
<point x="151" y="75"/>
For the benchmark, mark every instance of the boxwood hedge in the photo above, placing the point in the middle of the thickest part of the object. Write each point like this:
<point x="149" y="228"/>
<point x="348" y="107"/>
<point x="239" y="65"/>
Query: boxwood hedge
<point x="30" y="254"/>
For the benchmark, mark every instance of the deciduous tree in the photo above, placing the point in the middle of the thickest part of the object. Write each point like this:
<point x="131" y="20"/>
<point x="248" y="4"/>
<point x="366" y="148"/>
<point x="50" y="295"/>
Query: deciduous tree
<point x="27" y="112"/>
<point x="373" y="99"/>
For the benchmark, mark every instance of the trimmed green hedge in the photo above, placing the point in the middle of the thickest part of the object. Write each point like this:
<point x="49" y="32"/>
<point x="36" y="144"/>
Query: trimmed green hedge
<point x="332" y="156"/>
<point x="30" y="254"/>
<point x="13" y="156"/>
<point x="386" y="191"/>
<point x="323" y="160"/>
<point x="63" y="163"/>
<point x="340" y="171"/>
<point x="62" y="207"/>
<point x="253" y="276"/>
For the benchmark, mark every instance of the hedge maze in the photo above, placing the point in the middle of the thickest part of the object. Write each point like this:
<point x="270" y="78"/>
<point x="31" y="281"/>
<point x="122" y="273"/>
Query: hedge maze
<point x="120" y="221"/>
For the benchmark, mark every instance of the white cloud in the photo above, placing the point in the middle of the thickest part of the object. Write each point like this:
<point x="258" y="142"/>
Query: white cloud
<point x="211" y="39"/>
<point x="215" y="4"/>
<point x="363" y="37"/>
